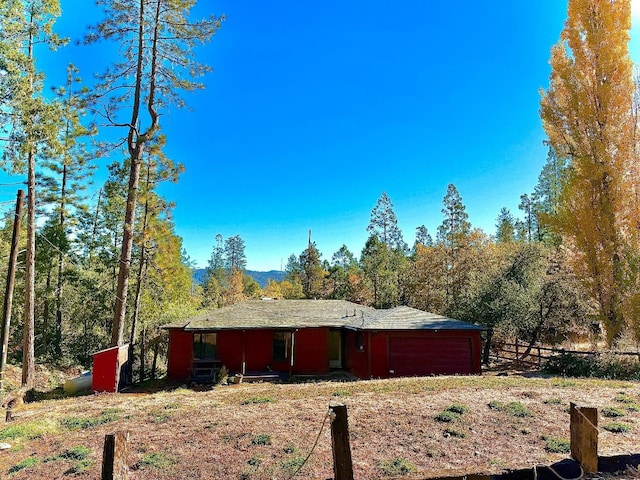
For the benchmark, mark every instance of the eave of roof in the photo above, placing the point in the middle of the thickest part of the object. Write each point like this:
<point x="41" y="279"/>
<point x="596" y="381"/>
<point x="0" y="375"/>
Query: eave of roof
<point x="407" y="318"/>
<point x="274" y="314"/>
<point x="294" y="314"/>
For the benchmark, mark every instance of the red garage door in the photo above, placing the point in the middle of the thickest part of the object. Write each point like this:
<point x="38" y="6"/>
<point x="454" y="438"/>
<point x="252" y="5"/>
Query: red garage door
<point x="430" y="356"/>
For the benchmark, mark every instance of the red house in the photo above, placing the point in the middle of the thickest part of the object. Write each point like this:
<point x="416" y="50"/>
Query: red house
<point x="317" y="336"/>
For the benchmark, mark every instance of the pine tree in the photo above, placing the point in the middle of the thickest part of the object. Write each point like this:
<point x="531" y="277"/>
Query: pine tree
<point x="423" y="237"/>
<point x="311" y="271"/>
<point x="31" y="124"/>
<point x="235" y="258"/>
<point x="155" y="63"/>
<point x="454" y="234"/>
<point x="587" y="113"/>
<point x="384" y="225"/>
<point x="505" y="226"/>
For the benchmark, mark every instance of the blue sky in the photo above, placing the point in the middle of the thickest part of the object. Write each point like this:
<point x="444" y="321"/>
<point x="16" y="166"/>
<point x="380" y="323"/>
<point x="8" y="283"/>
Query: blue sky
<point x="315" y="108"/>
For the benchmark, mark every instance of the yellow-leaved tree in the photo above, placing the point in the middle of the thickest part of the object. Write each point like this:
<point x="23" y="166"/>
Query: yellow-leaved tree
<point x="588" y="115"/>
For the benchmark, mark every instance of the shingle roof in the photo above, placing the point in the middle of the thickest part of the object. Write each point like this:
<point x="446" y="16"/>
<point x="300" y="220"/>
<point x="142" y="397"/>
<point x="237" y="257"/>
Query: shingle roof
<point x="287" y="314"/>
<point x="275" y="314"/>
<point x="407" y="318"/>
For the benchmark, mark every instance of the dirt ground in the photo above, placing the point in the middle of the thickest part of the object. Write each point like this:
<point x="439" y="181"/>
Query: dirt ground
<point x="265" y="431"/>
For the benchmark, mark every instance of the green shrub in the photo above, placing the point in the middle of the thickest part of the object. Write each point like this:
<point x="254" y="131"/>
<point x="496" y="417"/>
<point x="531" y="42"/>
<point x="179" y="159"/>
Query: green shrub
<point x="553" y="401"/>
<point x="290" y="448"/>
<point x="515" y="409"/>
<point x="262" y="439"/>
<point x="624" y="398"/>
<point x="455" y="433"/>
<point x="76" y="453"/>
<point x="612" y="412"/>
<point x="157" y="460"/>
<point x="78" y="423"/>
<point x="26" y="463"/>
<point x="341" y="393"/>
<point x="617" y="427"/>
<point x="293" y="463"/>
<point x="458" y="408"/>
<point x="28" y="430"/>
<point x="556" y="445"/>
<point x="613" y="367"/>
<point x="446" y="416"/>
<point x="80" y="466"/>
<point x="396" y="467"/>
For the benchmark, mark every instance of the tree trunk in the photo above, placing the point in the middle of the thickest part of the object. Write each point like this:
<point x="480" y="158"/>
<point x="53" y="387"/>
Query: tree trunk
<point x="154" y="364"/>
<point x="487" y="347"/>
<point x="143" y="339"/>
<point x="8" y="295"/>
<point x="28" y="350"/>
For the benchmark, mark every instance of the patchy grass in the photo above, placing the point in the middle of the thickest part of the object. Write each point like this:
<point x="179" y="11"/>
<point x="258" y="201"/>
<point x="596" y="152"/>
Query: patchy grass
<point x="341" y="393"/>
<point x="515" y="409"/>
<point x="158" y="460"/>
<point x="210" y="435"/>
<point x="261" y="439"/>
<point x="556" y="445"/>
<point x="617" y="427"/>
<point x="446" y="416"/>
<point x="396" y="467"/>
<point x="453" y="432"/>
<point x="624" y="398"/>
<point x="29" y="430"/>
<point x="458" y="408"/>
<point x="257" y="400"/>
<point x="82" y="423"/>
<point x="612" y="412"/>
<point x="24" y="464"/>
<point x="553" y="401"/>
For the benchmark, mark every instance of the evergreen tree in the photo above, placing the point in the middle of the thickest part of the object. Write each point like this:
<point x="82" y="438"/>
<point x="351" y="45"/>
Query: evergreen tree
<point x="505" y="226"/>
<point x="423" y="237"/>
<point x="455" y="225"/>
<point x="157" y="43"/>
<point x="235" y="258"/>
<point x="31" y="125"/>
<point x="311" y="272"/>
<point x="384" y="225"/>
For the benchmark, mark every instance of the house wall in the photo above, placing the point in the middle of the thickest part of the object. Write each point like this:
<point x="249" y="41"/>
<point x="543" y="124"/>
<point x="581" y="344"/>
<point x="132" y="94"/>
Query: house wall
<point x="406" y="353"/>
<point x="310" y="351"/>
<point x="180" y="355"/>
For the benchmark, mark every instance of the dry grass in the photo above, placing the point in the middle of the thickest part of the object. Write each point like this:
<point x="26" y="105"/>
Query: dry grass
<point x="221" y="433"/>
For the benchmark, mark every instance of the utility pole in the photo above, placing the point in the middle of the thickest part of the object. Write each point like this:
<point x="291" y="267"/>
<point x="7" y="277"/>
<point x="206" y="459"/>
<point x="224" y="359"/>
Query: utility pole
<point x="8" y="296"/>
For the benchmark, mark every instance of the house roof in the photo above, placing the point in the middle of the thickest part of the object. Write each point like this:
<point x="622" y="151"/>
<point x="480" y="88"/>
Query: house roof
<point x="407" y="318"/>
<point x="288" y="314"/>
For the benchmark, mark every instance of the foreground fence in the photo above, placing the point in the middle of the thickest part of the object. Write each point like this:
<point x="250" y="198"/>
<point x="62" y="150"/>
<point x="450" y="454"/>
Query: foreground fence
<point x="525" y="356"/>
<point x="583" y="440"/>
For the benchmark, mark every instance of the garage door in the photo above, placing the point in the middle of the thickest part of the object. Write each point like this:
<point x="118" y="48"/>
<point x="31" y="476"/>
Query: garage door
<point x="430" y="356"/>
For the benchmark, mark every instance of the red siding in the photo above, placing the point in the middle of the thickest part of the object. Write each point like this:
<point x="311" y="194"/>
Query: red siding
<point x="107" y="366"/>
<point x="407" y="353"/>
<point x="230" y="349"/>
<point x="412" y="353"/>
<point x="310" y="351"/>
<point x="180" y="355"/>
<point x="355" y="357"/>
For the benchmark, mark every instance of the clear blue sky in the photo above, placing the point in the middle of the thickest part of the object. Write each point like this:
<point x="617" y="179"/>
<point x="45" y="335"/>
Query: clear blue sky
<point x="315" y="108"/>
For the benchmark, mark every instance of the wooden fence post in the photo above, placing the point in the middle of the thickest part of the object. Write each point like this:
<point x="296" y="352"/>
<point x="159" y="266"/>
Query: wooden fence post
<point x="342" y="465"/>
<point x="584" y="437"/>
<point x="114" y="456"/>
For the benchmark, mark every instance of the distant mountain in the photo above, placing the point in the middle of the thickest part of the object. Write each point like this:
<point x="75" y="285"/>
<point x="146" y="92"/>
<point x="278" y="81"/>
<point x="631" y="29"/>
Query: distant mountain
<point x="260" y="277"/>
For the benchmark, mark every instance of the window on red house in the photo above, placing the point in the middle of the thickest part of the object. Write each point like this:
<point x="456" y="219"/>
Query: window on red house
<point x="281" y="346"/>
<point x="205" y="346"/>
